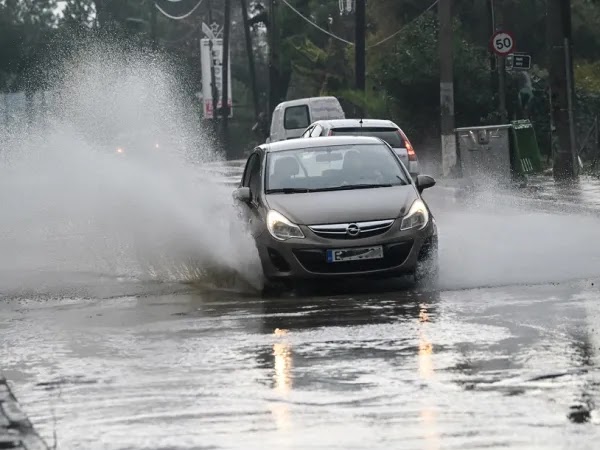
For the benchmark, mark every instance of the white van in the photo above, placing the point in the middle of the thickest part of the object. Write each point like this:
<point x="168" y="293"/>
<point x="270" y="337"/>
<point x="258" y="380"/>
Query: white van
<point x="291" y="118"/>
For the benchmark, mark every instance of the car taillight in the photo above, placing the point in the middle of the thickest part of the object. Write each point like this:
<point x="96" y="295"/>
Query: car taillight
<point x="412" y="156"/>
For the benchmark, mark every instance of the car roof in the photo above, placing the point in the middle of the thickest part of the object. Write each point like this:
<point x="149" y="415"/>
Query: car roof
<point x="355" y="123"/>
<point x="307" y="100"/>
<point x="329" y="141"/>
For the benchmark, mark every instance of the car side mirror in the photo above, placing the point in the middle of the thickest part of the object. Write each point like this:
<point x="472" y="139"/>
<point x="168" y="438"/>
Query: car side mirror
<point x="242" y="195"/>
<point x="424" y="182"/>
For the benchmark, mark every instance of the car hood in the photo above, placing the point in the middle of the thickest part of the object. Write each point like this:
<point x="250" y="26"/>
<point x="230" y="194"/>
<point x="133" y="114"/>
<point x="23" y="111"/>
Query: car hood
<point x="356" y="205"/>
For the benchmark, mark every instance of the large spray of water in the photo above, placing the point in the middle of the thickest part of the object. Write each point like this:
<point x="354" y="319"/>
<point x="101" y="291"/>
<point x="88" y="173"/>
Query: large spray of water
<point x="498" y="238"/>
<point x="113" y="182"/>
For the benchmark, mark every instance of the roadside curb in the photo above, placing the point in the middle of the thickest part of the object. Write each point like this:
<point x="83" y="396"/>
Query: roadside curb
<point x="16" y="431"/>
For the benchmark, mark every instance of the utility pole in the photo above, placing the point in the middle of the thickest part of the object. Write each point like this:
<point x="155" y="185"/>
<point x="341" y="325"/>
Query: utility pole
<point x="153" y="24"/>
<point x="273" y="59"/>
<point x="445" y="39"/>
<point x="250" y="52"/>
<point x="225" y="78"/>
<point x="561" y="87"/>
<point x="499" y="16"/>
<point x="213" y="79"/>
<point x="359" y="48"/>
<point x="493" y="60"/>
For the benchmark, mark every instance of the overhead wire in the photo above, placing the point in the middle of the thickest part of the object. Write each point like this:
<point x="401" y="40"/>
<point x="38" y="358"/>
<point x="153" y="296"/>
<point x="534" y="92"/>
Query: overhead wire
<point x="352" y="43"/>
<point x="315" y="25"/>
<point x="185" y="16"/>
<point x="391" y="36"/>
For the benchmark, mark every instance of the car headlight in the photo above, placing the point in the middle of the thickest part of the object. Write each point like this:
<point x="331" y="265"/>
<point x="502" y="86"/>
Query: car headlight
<point x="417" y="217"/>
<point x="281" y="228"/>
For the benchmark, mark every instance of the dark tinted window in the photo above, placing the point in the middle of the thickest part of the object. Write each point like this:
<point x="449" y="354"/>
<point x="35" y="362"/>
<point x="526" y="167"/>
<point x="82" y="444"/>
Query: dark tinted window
<point x="252" y="166"/>
<point x="296" y="117"/>
<point x="331" y="167"/>
<point x="255" y="178"/>
<point x="389" y="135"/>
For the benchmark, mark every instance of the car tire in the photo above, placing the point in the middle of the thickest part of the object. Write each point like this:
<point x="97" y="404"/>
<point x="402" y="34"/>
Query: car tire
<point x="426" y="272"/>
<point x="275" y="287"/>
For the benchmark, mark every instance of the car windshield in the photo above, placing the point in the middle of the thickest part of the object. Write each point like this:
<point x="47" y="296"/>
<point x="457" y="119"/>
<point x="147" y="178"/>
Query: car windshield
<point x="389" y="135"/>
<point x="338" y="167"/>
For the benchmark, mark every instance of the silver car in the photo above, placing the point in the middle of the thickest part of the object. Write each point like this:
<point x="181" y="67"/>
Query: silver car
<point x="383" y="129"/>
<point x="337" y="207"/>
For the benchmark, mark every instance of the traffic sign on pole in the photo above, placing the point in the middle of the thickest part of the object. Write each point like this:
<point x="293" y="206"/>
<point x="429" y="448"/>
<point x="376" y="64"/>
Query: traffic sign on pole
<point x="521" y="61"/>
<point x="502" y="43"/>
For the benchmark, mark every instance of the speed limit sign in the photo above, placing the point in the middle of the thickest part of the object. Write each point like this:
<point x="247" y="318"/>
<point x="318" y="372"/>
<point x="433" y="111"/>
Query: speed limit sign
<point x="502" y="43"/>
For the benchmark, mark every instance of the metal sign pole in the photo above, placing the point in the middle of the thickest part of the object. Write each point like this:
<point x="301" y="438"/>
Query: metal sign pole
<point x="570" y="101"/>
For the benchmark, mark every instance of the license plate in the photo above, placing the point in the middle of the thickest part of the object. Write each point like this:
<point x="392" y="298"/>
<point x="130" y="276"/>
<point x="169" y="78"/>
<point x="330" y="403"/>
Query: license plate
<point x="354" y="254"/>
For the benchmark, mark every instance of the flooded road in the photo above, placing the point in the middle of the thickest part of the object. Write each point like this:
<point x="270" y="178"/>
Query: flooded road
<point x="509" y="367"/>
<point x="503" y="354"/>
<point x="129" y="317"/>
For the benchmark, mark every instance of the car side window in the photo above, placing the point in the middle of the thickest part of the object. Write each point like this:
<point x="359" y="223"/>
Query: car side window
<point x="296" y="117"/>
<point x="254" y="177"/>
<point x="307" y="133"/>
<point x="253" y="162"/>
<point x="275" y="121"/>
<point x="316" y="132"/>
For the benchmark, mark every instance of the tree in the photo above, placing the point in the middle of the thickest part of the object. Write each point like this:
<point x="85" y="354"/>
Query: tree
<point x="25" y="30"/>
<point x="79" y="13"/>
<point x="408" y="72"/>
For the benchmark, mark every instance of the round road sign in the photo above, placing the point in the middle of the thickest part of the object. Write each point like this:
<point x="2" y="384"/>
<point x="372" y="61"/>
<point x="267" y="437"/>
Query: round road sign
<point x="502" y="43"/>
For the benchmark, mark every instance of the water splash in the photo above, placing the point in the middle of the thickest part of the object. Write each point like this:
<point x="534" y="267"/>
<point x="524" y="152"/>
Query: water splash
<point x="497" y="237"/>
<point x="114" y="181"/>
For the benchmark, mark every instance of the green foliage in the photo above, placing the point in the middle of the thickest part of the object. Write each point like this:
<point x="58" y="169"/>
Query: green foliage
<point x="374" y="104"/>
<point x="409" y="73"/>
<point x="317" y="61"/>
<point x="25" y="28"/>
<point x="402" y="74"/>
<point x="79" y="13"/>
<point x="587" y="76"/>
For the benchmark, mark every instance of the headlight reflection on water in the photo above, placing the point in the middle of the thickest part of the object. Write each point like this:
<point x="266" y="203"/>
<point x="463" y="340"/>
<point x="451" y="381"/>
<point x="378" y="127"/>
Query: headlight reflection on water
<point x="428" y="412"/>
<point x="282" y="352"/>
<point x="283" y="378"/>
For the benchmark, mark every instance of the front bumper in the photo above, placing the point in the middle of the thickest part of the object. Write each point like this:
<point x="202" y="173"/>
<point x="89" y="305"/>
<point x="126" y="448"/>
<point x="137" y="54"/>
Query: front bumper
<point x="306" y="258"/>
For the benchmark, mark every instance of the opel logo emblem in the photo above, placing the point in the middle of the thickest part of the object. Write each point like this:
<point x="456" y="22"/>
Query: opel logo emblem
<point x="353" y="230"/>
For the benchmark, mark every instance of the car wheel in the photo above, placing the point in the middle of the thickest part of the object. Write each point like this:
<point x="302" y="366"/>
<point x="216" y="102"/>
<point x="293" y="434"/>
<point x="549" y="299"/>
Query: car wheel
<point x="427" y="270"/>
<point x="275" y="288"/>
<point x="426" y="273"/>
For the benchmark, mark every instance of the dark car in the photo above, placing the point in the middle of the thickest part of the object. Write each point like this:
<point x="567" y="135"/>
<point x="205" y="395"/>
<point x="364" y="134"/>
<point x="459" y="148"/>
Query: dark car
<point x="337" y="207"/>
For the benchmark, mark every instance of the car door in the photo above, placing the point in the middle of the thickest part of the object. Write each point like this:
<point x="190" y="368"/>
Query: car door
<point x="252" y="179"/>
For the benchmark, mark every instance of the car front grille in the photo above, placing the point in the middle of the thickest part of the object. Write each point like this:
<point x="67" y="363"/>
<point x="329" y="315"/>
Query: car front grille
<point x="315" y="260"/>
<point x="341" y="230"/>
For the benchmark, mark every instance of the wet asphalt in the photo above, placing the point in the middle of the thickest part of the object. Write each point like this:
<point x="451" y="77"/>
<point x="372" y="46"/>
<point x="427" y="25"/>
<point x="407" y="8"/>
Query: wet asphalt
<point x="141" y="365"/>
<point x="512" y="367"/>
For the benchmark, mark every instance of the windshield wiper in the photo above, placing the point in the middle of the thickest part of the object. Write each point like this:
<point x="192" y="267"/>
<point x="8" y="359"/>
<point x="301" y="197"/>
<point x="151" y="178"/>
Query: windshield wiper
<point x="355" y="186"/>
<point x="289" y="191"/>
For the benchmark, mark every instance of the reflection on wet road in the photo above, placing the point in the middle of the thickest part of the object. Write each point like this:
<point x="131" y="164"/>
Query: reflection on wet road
<point x="113" y="362"/>
<point x="485" y="368"/>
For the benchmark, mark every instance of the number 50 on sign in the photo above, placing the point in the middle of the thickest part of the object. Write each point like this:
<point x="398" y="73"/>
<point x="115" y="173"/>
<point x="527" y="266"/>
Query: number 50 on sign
<point x="502" y="43"/>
